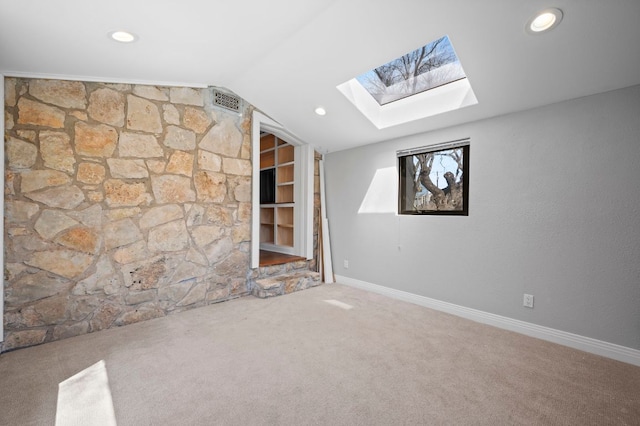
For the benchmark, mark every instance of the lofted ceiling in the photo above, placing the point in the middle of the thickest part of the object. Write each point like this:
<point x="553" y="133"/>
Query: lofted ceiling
<point x="286" y="57"/>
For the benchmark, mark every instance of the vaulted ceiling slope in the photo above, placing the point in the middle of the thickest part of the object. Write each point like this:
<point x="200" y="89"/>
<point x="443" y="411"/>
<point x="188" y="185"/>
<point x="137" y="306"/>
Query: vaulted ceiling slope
<point x="287" y="56"/>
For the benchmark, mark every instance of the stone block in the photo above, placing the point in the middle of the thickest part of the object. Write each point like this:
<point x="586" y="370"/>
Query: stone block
<point x="117" y="214"/>
<point x="20" y="211"/>
<point x="219" y="250"/>
<point x="91" y="216"/>
<point x="95" y="283"/>
<point x="210" y="187"/>
<point x="38" y="114"/>
<point x="131" y="253"/>
<point x="178" y="138"/>
<point x="209" y="161"/>
<point x="95" y="140"/>
<point x="240" y="287"/>
<point x="20" y="154"/>
<point x="171" y="114"/>
<point x="233" y="265"/>
<point x="196" y="257"/>
<point x="119" y="193"/>
<point x="10" y="91"/>
<point x="141" y="313"/>
<point x="173" y="293"/>
<point x="34" y="180"/>
<point x="121" y="233"/>
<point x="224" y="138"/>
<point x="91" y="173"/>
<point x="186" y="95"/>
<point x="196" y="120"/>
<point x="205" y="235"/>
<point x="244" y="212"/>
<point x="104" y="316"/>
<point x="23" y="338"/>
<point x="32" y="287"/>
<point x="9" y="122"/>
<point x="236" y="166"/>
<point x="196" y="295"/>
<point x="180" y="163"/>
<point x="245" y="149"/>
<point x="137" y="297"/>
<point x="66" y="94"/>
<point x="241" y="233"/>
<point x="56" y="151"/>
<point x="66" y="263"/>
<point x="139" y="146"/>
<point x="195" y="215"/>
<point x="219" y="215"/>
<point x="52" y="310"/>
<point x="156" y="166"/>
<point x="151" y="92"/>
<point x="127" y="169"/>
<point x="143" y="115"/>
<point x="172" y="236"/>
<point x="64" y="197"/>
<point x="218" y="294"/>
<point x="29" y="135"/>
<point x="159" y="215"/>
<point x="51" y="222"/>
<point x="80" y="115"/>
<point x="80" y="239"/>
<point x="65" y="331"/>
<point x="242" y="193"/>
<point x="146" y="274"/>
<point x="172" y="189"/>
<point x="95" y="196"/>
<point x="107" y="106"/>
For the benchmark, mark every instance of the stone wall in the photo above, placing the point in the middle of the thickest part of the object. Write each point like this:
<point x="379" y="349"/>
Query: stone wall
<point x="122" y="203"/>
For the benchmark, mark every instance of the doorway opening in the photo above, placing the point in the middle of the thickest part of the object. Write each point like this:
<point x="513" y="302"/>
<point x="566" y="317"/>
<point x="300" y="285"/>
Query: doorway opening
<point x="282" y="200"/>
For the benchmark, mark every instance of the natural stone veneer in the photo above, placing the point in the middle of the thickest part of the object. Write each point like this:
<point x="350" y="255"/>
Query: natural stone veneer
<point x="122" y="203"/>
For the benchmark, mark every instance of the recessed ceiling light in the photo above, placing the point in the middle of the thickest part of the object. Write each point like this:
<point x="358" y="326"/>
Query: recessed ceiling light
<point x="122" y="36"/>
<point x="321" y="111"/>
<point x="544" y="21"/>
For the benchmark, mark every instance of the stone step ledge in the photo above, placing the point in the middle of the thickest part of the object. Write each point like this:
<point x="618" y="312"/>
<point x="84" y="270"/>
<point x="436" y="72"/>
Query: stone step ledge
<point x="285" y="283"/>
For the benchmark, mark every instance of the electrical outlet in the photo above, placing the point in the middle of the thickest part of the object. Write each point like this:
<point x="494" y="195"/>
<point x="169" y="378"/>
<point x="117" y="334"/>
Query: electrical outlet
<point x="527" y="301"/>
<point x="346" y="264"/>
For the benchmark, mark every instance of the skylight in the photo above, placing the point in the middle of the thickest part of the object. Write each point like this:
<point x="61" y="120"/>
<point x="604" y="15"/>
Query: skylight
<point x="423" y="69"/>
<point x="422" y="83"/>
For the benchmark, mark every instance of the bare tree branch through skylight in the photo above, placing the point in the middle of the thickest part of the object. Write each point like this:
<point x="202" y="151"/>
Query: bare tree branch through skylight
<point x="425" y="68"/>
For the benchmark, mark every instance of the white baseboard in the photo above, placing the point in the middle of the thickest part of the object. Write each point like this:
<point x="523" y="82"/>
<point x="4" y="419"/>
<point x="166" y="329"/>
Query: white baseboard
<point x="587" y="344"/>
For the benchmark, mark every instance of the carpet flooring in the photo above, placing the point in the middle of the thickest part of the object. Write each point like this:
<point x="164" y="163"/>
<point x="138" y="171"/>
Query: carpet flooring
<point x="362" y="359"/>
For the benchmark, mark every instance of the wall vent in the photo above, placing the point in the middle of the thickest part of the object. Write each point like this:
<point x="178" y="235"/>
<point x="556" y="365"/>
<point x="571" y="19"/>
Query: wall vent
<point x="227" y="101"/>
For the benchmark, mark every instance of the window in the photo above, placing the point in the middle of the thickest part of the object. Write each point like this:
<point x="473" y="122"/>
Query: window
<point x="434" y="180"/>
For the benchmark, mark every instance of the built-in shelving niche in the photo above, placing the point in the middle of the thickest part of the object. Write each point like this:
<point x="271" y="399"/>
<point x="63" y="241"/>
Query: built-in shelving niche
<point x="277" y="193"/>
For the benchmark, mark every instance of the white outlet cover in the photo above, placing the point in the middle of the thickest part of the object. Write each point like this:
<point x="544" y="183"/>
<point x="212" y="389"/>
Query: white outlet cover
<point x="527" y="301"/>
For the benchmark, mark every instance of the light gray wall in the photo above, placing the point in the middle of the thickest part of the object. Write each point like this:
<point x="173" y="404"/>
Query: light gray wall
<point x="554" y="211"/>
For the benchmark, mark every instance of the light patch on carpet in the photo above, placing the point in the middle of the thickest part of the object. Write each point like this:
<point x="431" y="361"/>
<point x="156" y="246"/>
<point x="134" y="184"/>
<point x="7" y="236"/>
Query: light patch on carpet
<point x="85" y="399"/>
<point x="339" y="304"/>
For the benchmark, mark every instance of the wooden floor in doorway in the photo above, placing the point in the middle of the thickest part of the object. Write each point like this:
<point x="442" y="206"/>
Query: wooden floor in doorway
<point x="270" y="258"/>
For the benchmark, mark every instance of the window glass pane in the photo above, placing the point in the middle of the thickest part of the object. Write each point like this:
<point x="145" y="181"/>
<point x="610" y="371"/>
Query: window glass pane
<point x="425" y="68"/>
<point x="435" y="182"/>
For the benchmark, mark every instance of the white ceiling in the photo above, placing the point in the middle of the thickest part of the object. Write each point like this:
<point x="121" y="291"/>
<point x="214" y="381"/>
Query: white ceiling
<point x="287" y="56"/>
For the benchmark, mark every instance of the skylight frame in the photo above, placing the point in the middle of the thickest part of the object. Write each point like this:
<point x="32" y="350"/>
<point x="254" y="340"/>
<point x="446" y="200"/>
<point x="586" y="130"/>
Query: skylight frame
<point x="437" y="100"/>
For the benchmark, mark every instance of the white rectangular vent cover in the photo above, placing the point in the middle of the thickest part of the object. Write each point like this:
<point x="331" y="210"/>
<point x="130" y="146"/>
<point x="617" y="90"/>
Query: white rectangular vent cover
<point x="226" y="101"/>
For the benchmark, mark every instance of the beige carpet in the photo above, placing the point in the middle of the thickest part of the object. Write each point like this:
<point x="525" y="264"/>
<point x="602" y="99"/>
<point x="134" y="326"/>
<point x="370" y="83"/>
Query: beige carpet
<point x="300" y="360"/>
<point x="85" y="399"/>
